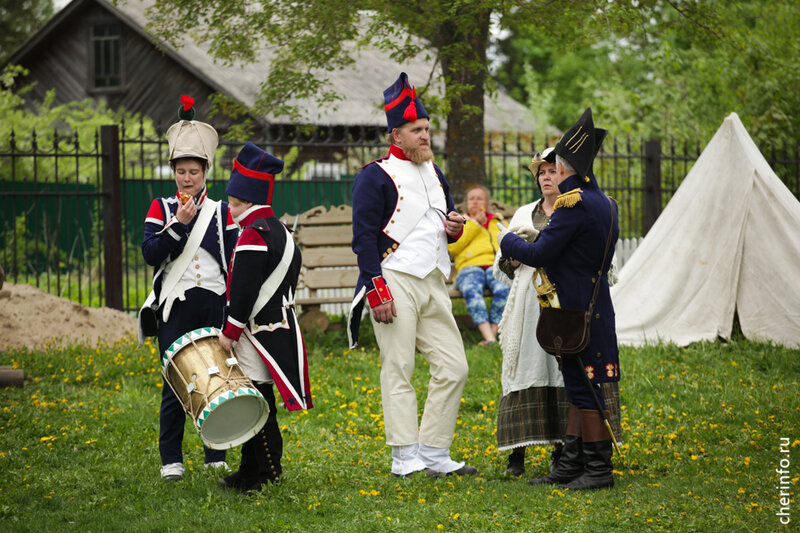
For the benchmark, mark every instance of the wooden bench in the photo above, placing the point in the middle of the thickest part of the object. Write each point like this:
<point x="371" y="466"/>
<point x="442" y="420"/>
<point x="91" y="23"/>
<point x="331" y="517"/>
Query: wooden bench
<point x="330" y="269"/>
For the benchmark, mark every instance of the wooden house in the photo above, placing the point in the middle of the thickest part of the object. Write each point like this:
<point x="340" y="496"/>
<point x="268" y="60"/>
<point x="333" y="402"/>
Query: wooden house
<point x="101" y="50"/>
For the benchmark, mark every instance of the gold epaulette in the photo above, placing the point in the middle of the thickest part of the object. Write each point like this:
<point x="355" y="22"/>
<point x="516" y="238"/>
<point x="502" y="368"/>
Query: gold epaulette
<point x="568" y="199"/>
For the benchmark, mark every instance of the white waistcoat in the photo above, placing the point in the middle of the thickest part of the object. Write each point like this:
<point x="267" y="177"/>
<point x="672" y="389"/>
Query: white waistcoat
<point x="415" y="224"/>
<point x="418" y="188"/>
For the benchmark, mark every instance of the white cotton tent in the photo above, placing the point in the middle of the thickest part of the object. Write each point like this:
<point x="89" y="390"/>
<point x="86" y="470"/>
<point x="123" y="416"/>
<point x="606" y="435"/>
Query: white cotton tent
<point x="728" y="241"/>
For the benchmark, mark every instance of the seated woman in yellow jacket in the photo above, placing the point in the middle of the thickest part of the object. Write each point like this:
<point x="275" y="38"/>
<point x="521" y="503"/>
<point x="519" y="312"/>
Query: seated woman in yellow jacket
<point x="474" y="256"/>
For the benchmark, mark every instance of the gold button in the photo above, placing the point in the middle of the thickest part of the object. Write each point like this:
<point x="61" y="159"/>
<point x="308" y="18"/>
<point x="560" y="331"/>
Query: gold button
<point x="196" y="258"/>
<point x="597" y="315"/>
<point x="198" y="276"/>
<point x="392" y="221"/>
<point x="599" y="354"/>
<point x="196" y="267"/>
<point x="401" y="197"/>
<point x="388" y="250"/>
<point x="384" y="254"/>
<point x="394" y="246"/>
<point x="198" y="283"/>
<point x="593" y="280"/>
<point x="283" y="321"/>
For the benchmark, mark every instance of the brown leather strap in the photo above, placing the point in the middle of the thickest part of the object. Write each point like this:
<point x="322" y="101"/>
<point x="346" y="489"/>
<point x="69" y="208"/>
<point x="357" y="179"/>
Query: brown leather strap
<point x="605" y="254"/>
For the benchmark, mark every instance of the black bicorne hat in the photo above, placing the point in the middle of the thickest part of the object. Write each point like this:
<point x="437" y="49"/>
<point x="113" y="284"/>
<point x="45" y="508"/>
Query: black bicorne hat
<point x="599" y="136"/>
<point x="580" y="144"/>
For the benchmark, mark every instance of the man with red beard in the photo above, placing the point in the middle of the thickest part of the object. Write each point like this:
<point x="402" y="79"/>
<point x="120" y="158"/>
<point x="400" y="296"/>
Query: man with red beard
<point x="403" y="219"/>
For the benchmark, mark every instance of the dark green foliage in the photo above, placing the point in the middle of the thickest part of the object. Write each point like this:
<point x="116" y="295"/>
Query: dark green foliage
<point x="663" y="69"/>
<point x="19" y="19"/>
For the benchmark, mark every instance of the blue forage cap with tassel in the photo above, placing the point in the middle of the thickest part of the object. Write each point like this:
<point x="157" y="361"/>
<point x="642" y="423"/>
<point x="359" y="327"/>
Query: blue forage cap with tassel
<point x="401" y="103"/>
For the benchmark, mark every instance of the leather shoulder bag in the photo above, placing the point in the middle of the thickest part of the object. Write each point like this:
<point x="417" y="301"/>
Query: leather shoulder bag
<point x="565" y="332"/>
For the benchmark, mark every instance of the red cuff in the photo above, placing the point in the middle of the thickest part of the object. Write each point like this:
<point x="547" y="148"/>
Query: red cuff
<point x="232" y="331"/>
<point x="380" y="294"/>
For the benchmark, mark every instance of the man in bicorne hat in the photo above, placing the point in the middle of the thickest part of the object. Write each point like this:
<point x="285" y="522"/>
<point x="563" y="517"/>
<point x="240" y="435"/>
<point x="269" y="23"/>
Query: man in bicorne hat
<point x="403" y="219"/>
<point x="261" y="318"/>
<point x="189" y="240"/>
<point x="571" y="250"/>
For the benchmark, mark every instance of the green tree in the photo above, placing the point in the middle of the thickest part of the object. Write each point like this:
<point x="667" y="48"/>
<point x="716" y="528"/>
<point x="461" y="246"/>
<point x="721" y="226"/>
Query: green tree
<point x="70" y="130"/>
<point x="666" y="69"/>
<point x="61" y="128"/>
<point x="312" y="37"/>
<point x="19" y="19"/>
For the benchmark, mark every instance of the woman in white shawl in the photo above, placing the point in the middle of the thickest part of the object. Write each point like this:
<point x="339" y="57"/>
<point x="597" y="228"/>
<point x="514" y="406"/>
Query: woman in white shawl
<point x="534" y="407"/>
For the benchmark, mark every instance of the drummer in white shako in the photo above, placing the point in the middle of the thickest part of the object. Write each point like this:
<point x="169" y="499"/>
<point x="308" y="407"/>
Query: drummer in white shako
<point x="188" y="240"/>
<point x="262" y="327"/>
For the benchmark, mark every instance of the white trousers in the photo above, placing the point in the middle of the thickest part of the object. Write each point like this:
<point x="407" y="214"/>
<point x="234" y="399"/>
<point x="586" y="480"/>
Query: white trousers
<point x="250" y="361"/>
<point x="424" y="322"/>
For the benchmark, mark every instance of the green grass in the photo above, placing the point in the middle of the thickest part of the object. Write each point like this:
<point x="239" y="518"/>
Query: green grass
<point x="702" y="433"/>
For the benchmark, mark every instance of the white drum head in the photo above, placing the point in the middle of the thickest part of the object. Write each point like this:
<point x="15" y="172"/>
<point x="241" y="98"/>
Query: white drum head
<point x="233" y="418"/>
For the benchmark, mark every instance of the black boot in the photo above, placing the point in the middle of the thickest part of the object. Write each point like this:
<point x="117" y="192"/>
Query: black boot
<point x="516" y="462"/>
<point x="267" y="445"/>
<point x="261" y="455"/>
<point x="597" y="451"/>
<point x="570" y="463"/>
<point x="248" y="469"/>
<point x="555" y="455"/>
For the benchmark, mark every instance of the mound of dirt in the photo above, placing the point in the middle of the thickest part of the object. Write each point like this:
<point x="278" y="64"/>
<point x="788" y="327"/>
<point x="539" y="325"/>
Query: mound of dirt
<point x="29" y="317"/>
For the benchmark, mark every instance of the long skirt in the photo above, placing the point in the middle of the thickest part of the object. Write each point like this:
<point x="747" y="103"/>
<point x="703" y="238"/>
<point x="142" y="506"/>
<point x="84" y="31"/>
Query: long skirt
<point x="537" y="416"/>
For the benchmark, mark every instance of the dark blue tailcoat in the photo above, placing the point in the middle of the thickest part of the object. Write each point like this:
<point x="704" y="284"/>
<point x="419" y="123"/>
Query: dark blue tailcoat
<point x="571" y="249"/>
<point x="375" y="200"/>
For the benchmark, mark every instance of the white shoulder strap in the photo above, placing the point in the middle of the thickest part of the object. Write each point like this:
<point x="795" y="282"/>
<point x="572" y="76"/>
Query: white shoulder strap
<point x="221" y="238"/>
<point x="274" y="280"/>
<point x="182" y="262"/>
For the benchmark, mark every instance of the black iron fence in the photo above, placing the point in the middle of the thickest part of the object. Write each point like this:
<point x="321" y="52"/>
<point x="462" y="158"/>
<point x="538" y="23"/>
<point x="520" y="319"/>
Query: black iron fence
<point x="71" y="216"/>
